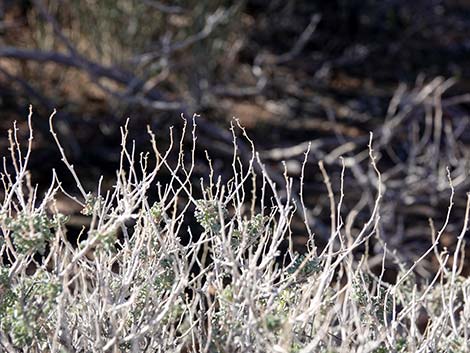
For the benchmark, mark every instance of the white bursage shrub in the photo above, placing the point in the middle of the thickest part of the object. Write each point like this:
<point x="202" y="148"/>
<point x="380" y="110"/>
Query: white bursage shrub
<point x="131" y="284"/>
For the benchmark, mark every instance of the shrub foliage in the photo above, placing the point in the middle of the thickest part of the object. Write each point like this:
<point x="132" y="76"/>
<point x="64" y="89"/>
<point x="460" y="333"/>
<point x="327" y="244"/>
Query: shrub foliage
<point x="178" y="266"/>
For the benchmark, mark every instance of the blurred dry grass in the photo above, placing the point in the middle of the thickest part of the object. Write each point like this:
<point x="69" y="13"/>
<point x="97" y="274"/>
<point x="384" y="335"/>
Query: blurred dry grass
<point x="292" y="72"/>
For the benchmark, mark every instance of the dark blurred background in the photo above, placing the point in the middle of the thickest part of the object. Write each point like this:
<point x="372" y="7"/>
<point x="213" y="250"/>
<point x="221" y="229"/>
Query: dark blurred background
<point x="291" y="71"/>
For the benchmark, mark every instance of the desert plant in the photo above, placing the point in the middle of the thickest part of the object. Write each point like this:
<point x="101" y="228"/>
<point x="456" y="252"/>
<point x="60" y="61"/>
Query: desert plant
<point x="132" y="284"/>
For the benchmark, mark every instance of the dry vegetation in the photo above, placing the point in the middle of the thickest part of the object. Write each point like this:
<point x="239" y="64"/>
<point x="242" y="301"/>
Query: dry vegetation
<point x="138" y="279"/>
<point x="343" y="230"/>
